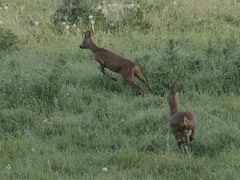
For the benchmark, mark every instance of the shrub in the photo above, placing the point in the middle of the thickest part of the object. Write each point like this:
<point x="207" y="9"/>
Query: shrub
<point x="8" y="40"/>
<point x="109" y="17"/>
<point x="17" y="121"/>
<point x="76" y="12"/>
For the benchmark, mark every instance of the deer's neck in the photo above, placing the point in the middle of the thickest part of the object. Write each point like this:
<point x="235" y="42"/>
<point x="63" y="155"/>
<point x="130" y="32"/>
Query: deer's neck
<point x="93" y="47"/>
<point x="173" y="104"/>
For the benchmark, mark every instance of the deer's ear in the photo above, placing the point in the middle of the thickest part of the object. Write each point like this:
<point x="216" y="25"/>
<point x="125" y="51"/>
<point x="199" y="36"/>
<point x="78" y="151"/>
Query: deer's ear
<point x="88" y="34"/>
<point x="175" y="86"/>
<point x="172" y="86"/>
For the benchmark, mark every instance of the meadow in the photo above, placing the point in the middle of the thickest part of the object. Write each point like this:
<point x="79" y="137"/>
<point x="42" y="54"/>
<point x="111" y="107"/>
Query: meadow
<point x="60" y="118"/>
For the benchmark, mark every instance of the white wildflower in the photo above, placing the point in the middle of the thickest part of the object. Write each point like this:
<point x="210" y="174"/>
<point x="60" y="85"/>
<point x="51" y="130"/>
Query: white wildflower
<point x="78" y="29"/>
<point x="104" y="169"/>
<point x="130" y="6"/>
<point x="137" y="6"/>
<point x="105" y="11"/>
<point x="45" y="120"/>
<point x="21" y="8"/>
<point x="99" y="7"/>
<point x="64" y="23"/>
<point x="74" y="25"/>
<point x="174" y="3"/>
<point x="111" y="24"/>
<point x="92" y="22"/>
<point x="5" y="7"/>
<point x="90" y="16"/>
<point x="67" y="27"/>
<point x="9" y="167"/>
<point x="36" y="23"/>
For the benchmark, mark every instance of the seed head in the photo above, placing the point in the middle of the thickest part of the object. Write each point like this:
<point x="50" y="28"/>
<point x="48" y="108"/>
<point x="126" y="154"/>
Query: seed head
<point x="36" y="23"/>
<point x="105" y="169"/>
<point x="9" y="167"/>
<point x="67" y="27"/>
<point x="5" y="7"/>
<point x="99" y="7"/>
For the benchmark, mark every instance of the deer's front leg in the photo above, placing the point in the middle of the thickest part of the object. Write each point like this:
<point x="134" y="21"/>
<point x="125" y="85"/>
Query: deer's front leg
<point x="103" y="71"/>
<point x="192" y="134"/>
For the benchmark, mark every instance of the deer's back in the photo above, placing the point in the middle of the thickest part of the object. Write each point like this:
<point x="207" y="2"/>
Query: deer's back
<point x="112" y="61"/>
<point x="177" y="121"/>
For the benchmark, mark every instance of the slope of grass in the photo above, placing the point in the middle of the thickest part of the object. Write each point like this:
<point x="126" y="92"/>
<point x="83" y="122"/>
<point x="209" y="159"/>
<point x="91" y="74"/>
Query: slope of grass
<point x="62" y="119"/>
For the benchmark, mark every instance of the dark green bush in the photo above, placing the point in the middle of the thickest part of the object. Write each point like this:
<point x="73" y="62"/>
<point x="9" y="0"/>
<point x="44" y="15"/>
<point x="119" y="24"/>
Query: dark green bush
<point x="8" y="40"/>
<point x="17" y="121"/>
<point x="78" y="11"/>
<point x="75" y="12"/>
<point x="134" y="18"/>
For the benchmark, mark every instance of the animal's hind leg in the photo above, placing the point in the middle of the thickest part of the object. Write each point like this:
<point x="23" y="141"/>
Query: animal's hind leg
<point x="128" y="77"/>
<point x="136" y="87"/>
<point x="140" y="76"/>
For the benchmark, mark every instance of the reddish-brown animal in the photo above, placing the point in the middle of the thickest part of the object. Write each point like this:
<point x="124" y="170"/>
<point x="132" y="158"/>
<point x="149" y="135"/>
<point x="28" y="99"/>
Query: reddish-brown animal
<point x="115" y="63"/>
<point x="183" y="124"/>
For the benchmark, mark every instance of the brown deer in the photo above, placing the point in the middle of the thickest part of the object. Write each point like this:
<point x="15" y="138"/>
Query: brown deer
<point x="115" y="63"/>
<point x="183" y="124"/>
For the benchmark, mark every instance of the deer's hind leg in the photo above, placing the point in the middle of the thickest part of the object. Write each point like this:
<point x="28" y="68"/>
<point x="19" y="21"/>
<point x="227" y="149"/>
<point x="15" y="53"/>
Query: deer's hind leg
<point x="140" y="76"/>
<point x="128" y="76"/>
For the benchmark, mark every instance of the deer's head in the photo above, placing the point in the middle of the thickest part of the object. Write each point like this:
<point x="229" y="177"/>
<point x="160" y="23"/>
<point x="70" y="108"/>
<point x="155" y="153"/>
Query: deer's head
<point x="86" y="41"/>
<point x="173" y="92"/>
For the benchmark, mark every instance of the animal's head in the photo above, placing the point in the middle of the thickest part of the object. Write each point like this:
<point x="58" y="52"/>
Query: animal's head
<point x="86" y="40"/>
<point x="173" y="92"/>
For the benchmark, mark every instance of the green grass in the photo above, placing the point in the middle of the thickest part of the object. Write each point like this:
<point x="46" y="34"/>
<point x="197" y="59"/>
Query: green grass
<point x="60" y="118"/>
<point x="128" y="135"/>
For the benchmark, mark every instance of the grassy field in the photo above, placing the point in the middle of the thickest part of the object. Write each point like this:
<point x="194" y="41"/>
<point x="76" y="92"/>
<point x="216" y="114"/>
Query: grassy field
<point x="60" y="118"/>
